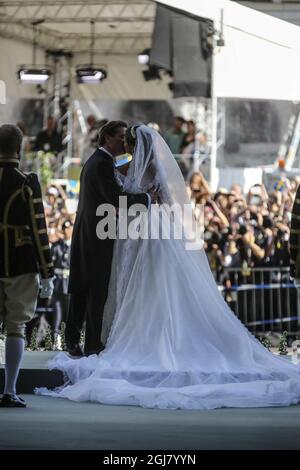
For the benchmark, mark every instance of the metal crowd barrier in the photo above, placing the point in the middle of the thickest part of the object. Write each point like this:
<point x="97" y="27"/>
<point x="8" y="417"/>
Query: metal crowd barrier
<point x="264" y="299"/>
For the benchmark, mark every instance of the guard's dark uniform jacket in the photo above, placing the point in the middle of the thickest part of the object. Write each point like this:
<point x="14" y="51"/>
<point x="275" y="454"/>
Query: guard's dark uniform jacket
<point x="295" y="237"/>
<point x="24" y="246"/>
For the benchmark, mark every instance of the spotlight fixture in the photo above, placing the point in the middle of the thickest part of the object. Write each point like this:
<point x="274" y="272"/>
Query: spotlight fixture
<point x="143" y="57"/>
<point x="33" y="74"/>
<point x="90" y="74"/>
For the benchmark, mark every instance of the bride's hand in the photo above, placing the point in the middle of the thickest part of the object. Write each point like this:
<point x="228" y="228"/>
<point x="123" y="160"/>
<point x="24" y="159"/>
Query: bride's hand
<point x="154" y="195"/>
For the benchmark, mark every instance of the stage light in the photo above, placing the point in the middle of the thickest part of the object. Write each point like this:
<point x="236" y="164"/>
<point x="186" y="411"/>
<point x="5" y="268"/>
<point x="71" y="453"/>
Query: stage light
<point x="33" y="75"/>
<point x="88" y="74"/>
<point x="143" y="57"/>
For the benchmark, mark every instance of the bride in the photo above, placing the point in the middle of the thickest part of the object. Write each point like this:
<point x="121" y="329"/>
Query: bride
<point x="172" y="340"/>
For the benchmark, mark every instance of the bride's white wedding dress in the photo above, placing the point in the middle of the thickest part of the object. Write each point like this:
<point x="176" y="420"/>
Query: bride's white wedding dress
<point x="174" y="342"/>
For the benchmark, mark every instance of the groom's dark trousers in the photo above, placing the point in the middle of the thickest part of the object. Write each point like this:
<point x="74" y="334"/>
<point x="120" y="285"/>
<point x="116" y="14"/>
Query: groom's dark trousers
<point x="88" y="306"/>
<point x="91" y="257"/>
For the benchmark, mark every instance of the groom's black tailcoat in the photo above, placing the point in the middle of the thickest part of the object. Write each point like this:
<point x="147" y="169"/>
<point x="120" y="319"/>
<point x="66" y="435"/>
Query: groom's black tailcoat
<point x="91" y="258"/>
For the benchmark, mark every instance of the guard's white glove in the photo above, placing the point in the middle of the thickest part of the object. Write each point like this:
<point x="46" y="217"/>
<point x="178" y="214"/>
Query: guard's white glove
<point x="47" y="287"/>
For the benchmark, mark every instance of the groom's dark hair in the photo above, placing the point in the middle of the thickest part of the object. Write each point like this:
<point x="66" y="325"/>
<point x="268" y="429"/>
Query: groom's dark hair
<point x="109" y="129"/>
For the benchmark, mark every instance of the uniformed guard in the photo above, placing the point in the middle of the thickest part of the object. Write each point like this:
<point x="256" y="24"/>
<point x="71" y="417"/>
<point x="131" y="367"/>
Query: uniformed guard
<point x="24" y="252"/>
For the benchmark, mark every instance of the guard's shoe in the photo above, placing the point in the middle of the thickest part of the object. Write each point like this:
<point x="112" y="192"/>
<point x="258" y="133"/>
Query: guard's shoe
<point x="12" y="401"/>
<point x="75" y="351"/>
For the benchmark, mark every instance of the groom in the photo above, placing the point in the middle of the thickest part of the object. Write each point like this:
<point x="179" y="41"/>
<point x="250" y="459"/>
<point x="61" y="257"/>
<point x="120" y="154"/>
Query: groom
<point x="91" y="258"/>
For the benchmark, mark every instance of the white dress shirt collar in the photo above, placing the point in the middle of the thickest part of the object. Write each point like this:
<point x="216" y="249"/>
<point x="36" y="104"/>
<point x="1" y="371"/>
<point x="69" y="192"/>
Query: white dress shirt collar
<point x="106" y="151"/>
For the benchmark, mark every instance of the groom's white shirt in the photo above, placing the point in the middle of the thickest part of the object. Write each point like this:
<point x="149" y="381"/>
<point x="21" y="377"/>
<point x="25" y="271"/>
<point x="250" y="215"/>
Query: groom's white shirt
<point x="108" y="153"/>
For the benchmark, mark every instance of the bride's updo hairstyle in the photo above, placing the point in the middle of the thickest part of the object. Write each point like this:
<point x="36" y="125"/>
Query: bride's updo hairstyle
<point x="130" y="135"/>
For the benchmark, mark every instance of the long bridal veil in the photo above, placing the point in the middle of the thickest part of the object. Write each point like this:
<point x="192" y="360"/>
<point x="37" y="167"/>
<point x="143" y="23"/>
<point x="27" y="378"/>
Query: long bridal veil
<point x="172" y="340"/>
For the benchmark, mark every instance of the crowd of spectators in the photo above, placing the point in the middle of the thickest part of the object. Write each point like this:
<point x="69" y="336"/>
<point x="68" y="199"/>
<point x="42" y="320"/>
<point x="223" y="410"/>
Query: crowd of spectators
<point x="250" y="228"/>
<point x="245" y="229"/>
<point x="246" y="238"/>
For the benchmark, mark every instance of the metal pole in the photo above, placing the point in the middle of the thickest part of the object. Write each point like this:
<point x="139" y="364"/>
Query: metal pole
<point x="245" y="299"/>
<point x="92" y="42"/>
<point x="56" y="108"/>
<point x="214" y="120"/>
<point x="70" y="111"/>
<point x="279" y="299"/>
<point x="34" y="45"/>
<point x="297" y="287"/>
<point x="236" y="282"/>
<point x="262" y="299"/>
<point x="271" y="301"/>
<point x="253" y="295"/>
